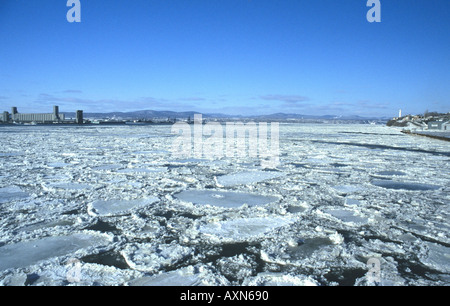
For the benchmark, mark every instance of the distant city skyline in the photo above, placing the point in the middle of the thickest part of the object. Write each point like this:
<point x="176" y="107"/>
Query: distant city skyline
<point x="232" y="57"/>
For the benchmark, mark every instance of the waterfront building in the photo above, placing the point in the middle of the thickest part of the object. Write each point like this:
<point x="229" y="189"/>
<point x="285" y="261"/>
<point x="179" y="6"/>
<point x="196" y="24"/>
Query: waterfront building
<point x="5" y="117"/>
<point x="439" y="125"/>
<point x="446" y="126"/>
<point x="79" y="117"/>
<point x="38" y="118"/>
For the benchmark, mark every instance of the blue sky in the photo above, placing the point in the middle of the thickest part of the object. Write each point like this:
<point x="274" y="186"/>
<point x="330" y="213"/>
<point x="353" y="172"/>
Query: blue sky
<point x="229" y="56"/>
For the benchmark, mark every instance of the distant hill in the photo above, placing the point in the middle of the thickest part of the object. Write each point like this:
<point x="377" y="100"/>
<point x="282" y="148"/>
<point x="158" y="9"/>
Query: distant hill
<point x="284" y="116"/>
<point x="152" y="114"/>
<point x="144" y="114"/>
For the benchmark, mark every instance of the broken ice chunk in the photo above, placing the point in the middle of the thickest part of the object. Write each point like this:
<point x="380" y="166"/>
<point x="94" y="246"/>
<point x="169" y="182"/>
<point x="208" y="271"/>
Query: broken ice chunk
<point x="188" y="276"/>
<point x="351" y="202"/>
<point x="404" y="185"/>
<point x="23" y="254"/>
<point x="107" y="167"/>
<point x="307" y="247"/>
<point x="172" y="278"/>
<point x="12" y="193"/>
<point x="437" y="257"/>
<point x="132" y="171"/>
<point x="243" y="229"/>
<point x="70" y="186"/>
<point x="225" y="199"/>
<point x="190" y="160"/>
<point x="57" y="165"/>
<point x="244" y="178"/>
<point x="280" y="279"/>
<point x="11" y="154"/>
<point x="344" y="189"/>
<point x="391" y="173"/>
<point x="117" y="207"/>
<point x="345" y="215"/>
<point x="151" y="258"/>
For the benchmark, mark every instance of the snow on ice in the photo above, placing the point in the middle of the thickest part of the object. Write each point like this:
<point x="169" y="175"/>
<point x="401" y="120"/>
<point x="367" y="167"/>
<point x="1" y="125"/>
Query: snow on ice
<point x="11" y="193"/>
<point x="109" y="205"/>
<point x="23" y="254"/>
<point x="115" y="207"/>
<point x="243" y="178"/>
<point x="224" y="198"/>
<point x="242" y="229"/>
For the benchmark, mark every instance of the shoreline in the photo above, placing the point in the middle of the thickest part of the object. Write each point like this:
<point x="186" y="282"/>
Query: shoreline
<point x="90" y="124"/>
<point x="428" y="135"/>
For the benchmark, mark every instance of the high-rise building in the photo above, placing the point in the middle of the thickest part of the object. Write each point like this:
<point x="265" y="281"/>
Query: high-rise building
<point x="56" y="113"/>
<point x="5" y="117"/>
<point x="13" y="112"/>
<point x="79" y="118"/>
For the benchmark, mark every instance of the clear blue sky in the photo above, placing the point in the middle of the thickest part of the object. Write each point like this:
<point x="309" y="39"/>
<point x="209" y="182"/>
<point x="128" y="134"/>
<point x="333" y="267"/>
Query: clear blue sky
<point x="229" y="56"/>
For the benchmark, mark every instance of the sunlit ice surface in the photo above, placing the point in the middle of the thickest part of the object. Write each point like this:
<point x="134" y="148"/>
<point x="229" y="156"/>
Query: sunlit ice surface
<point x="111" y="205"/>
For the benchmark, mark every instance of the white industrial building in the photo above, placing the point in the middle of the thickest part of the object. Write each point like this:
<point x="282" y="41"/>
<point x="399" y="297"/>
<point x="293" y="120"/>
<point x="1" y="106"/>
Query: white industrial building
<point x="38" y="118"/>
<point x="439" y="125"/>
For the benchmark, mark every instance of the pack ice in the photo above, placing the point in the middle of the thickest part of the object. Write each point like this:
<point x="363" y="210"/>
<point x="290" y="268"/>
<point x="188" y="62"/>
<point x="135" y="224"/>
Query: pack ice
<point x="152" y="258"/>
<point x="117" y="206"/>
<point x="114" y="202"/>
<point x="226" y="199"/>
<point x="247" y="177"/>
<point x="23" y="254"/>
<point x="245" y="229"/>
<point x="12" y="193"/>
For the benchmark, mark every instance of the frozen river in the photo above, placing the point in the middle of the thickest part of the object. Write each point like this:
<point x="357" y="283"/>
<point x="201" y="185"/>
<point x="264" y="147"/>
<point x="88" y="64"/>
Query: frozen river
<point x="110" y="205"/>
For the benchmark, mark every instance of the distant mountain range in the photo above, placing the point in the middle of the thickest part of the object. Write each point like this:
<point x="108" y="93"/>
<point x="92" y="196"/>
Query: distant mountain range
<point x="152" y="114"/>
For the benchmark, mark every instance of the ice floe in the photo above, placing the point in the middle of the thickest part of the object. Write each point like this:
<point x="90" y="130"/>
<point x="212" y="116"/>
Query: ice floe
<point x="280" y="279"/>
<point x="346" y="215"/>
<point x="107" y="167"/>
<point x="23" y="254"/>
<point x="152" y="258"/>
<point x="58" y="165"/>
<point x="69" y="186"/>
<point x="248" y="177"/>
<point x="391" y="173"/>
<point x="12" y="193"/>
<point x="243" y="229"/>
<point x="344" y="189"/>
<point x="117" y="207"/>
<point x="404" y="185"/>
<point x="225" y="199"/>
<point x="147" y="170"/>
<point x="351" y="202"/>
<point x="437" y="257"/>
<point x="111" y="206"/>
<point x="188" y="276"/>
